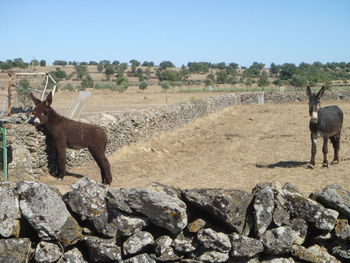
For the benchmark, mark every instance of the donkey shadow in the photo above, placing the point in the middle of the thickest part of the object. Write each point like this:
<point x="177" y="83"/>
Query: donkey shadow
<point x="282" y="164"/>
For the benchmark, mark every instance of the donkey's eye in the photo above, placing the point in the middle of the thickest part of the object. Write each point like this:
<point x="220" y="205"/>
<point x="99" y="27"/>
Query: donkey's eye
<point x="43" y="114"/>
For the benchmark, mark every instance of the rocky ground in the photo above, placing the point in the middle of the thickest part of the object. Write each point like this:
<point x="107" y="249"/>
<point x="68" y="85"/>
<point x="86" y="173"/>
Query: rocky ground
<point x="91" y="223"/>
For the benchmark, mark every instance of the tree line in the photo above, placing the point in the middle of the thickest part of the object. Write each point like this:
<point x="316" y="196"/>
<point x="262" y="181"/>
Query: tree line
<point x="216" y="73"/>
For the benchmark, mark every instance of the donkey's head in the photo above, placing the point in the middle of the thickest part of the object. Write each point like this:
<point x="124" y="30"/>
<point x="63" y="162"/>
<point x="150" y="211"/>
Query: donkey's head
<point x="42" y="108"/>
<point x="314" y="103"/>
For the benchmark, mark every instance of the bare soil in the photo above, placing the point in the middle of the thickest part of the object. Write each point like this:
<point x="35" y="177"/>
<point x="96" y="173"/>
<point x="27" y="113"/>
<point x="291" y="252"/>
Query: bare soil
<point x="238" y="147"/>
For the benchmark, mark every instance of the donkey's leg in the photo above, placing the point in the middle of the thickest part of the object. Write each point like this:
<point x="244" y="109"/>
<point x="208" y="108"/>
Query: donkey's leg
<point x="336" y="145"/>
<point x="103" y="163"/>
<point x="325" y="151"/>
<point x="61" y="155"/>
<point x="313" y="149"/>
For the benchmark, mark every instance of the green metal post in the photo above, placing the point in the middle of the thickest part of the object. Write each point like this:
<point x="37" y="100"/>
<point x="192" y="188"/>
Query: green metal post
<point x="4" y="153"/>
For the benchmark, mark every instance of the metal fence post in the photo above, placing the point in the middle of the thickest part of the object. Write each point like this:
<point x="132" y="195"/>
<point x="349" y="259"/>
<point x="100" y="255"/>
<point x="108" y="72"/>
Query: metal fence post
<point x="4" y="153"/>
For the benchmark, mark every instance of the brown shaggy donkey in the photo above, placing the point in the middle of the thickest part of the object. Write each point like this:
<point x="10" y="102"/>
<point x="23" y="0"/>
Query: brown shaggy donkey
<point x="72" y="134"/>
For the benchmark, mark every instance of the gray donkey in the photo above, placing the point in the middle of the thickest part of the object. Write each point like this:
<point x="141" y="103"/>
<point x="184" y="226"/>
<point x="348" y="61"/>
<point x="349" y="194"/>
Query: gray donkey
<point x="325" y="122"/>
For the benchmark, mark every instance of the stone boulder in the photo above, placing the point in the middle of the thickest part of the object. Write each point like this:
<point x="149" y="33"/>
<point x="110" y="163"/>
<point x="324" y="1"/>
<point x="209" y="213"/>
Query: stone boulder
<point x="15" y="250"/>
<point x="245" y="247"/>
<point x="87" y="199"/>
<point x="279" y="241"/>
<point x="73" y="256"/>
<point x="137" y="242"/>
<point x="46" y="252"/>
<point x="314" y="254"/>
<point x="314" y="213"/>
<point x="335" y="197"/>
<point x="9" y="211"/>
<point x="143" y="258"/>
<point x="161" y="205"/>
<point x="213" y="257"/>
<point x="228" y="206"/>
<point x="264" y="205"/>
<point x="43" y="207"/>
<point x="102" y="250"/>
<point x="211" y="239"/>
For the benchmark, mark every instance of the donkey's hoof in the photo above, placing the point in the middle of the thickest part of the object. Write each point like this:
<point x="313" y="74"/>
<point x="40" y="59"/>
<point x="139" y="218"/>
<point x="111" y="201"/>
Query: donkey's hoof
<point x="325" y="165"/>
<point x="335" y="162"/>
<point x="310" y="166"/>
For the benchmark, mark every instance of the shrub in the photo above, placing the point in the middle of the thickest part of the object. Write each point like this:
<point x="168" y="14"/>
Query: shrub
<point x="165" y="85"/>
<point x="143" y="85"/>
<point x="68" y="87"/>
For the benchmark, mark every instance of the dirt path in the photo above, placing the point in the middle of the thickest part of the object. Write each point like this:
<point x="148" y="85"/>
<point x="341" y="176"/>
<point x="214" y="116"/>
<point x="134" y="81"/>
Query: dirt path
<point x="234" y="148"/>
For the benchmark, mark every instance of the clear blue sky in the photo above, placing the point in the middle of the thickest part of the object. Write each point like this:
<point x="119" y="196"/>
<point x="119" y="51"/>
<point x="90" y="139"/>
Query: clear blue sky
<point x="181" y="31"/>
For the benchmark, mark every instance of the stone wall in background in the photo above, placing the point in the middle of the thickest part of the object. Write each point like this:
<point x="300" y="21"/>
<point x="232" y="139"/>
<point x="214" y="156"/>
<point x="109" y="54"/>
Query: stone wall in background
<point x="158" y="223"/>
<point x="30" y="156"/>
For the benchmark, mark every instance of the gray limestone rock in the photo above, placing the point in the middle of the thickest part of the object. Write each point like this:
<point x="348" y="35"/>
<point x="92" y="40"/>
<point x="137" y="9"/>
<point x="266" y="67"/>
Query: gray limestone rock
<point x="342" y="229"/>
<point x="279" y="241"/>
<point x="342" y="251"/>
<point x="118" y="199"/>
<point x="44" y="209"/>
<point x="214" y="240"/>
<point x="162" y="244"/>
<point x="9" y="211"/>
<point x="137" y="242"/>
<point x="314" y="254"/>
<point x="143" y="258"/>
<point x="46" y="252"/>
<point x="102" y="250"/>
<point x="228" y="206"/>
<point x="335" y="197"/>
<point x="15" y="250"/>
<point x="73" y="256"/>
<point x="213" y="257"/>
<point x="280" y="214"/>
<point x="161" y="205"/>
<point x="264" y="204"/>
<point x="278" y="260"/>
<point x="299" y="206"/>
<point x="245" y="247"/>
<point x="183" y="245"/>
<point x="128" y="225"/>
<point x="87" y="199"/>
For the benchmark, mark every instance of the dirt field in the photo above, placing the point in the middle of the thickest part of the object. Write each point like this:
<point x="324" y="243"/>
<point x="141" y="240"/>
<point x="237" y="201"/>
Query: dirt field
<point x="234" y="148"/>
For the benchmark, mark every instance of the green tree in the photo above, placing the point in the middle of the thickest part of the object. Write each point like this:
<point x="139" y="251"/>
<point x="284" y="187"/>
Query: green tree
<point x="23" y="91"/>
<point x="60" y="63"/>
<point x="109" y="71"/>
<point x="34" y="62"/>
<point x="99" y="68"/>
<point x="287" y="70"/>
<point x="165" y="85"/>
<point x="43" y="63"/>
<point x="58" y="74"/>
<point x="221" y="77"/>
<point x="169" y="75"/>
<point x="166" y="64"/>
<point x="298" y="81"/>
<point x="135" y="62"/>
<point x="263" y="80"/>
<point x="87" y="82"/>
<point x="81" y="71"/>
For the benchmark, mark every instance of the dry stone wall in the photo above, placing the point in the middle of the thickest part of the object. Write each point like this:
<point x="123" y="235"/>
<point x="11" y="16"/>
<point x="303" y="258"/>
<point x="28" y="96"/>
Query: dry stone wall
<point x="159" y="223"/>
<point x="31" y="155"/>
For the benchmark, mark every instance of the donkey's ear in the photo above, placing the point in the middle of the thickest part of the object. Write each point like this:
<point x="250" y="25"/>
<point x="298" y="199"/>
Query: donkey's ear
<point x="321" y="92"/>
<point x="48" y="100"/>
<point x="35" y="100"/>
<point x="308" y="91"/>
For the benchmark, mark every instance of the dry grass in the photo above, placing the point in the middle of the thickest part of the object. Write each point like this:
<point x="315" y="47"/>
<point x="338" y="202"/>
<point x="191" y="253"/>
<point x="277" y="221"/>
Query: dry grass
<point x="234" y="148"/>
